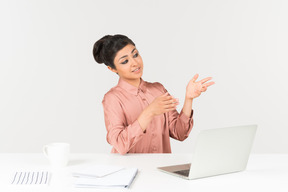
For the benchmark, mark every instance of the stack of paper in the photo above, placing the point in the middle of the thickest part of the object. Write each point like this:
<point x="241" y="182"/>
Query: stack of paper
<point x="104" y="176"/>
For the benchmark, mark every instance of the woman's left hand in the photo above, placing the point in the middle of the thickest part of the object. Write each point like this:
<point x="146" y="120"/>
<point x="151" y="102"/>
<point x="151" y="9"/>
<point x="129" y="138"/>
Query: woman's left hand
<point x="194" y="89"/>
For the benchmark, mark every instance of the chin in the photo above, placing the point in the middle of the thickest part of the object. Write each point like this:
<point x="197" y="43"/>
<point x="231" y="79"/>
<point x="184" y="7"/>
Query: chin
<point x="138" y="75"/>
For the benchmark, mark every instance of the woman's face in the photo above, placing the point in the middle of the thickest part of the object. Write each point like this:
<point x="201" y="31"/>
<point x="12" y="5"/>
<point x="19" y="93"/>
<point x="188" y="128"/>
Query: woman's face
<point x="129" y="64"/>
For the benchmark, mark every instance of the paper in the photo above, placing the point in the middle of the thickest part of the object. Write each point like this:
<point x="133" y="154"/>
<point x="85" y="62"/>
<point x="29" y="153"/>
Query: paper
<point x="122" y="178"/>
<point x="31" y="178"/>
<point x="95" y="170"/>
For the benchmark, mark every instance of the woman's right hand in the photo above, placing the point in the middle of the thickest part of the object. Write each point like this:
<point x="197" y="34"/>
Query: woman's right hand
<point x="163" y="104"/>
<point x="160" y="105"/>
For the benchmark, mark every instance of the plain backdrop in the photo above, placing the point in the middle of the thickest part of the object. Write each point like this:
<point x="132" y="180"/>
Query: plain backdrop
<point x="52" y="89"/>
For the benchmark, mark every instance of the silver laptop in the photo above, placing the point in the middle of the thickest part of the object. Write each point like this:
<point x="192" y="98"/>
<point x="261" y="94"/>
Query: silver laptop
<point x="217" y="151"/>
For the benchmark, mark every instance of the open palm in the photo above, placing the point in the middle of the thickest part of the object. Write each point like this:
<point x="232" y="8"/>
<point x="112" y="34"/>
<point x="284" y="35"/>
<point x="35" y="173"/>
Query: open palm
<point x="194" y="89"/>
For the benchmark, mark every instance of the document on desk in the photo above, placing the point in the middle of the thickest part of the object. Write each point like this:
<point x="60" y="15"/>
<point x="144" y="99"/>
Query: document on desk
<point x="121" y="178"/>
<point x="95" y="170"/>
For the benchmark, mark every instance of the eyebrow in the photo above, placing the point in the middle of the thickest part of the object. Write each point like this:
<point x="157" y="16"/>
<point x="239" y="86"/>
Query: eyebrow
<point x="127" y="55"/>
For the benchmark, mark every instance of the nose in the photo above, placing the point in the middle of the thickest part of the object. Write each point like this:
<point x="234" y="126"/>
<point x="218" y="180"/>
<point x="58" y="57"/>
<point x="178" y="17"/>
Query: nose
<point x="134" y="62"/>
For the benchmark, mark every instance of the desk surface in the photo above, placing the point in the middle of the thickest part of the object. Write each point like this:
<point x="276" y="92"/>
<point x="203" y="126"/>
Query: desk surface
<point x="264" y="173"/>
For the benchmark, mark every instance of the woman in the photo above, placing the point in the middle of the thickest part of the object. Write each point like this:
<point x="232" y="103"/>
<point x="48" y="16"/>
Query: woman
<point x="141" y="116"/>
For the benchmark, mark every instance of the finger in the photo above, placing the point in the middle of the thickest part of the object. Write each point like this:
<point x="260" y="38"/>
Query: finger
<point x="165" y="94"/>
<point x="167" y="98"/>
<point x="209" y="84"/>
<point x="195" y="78"/>
<point x="170" y="101"/>
<point x="171" y="106"/>
<point x="205" y="80"/>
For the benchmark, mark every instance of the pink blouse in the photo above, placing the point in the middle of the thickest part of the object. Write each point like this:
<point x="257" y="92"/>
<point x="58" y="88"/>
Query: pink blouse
<point x="122" y="106"/>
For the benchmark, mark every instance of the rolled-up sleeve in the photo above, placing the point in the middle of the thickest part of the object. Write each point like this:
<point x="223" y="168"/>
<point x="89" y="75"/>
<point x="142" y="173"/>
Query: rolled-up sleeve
<point x="120" y="135"/>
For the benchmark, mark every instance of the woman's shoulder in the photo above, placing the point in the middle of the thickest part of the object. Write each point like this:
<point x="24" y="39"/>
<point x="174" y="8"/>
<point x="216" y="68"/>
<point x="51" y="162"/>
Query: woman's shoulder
<point x="112" y="94"/>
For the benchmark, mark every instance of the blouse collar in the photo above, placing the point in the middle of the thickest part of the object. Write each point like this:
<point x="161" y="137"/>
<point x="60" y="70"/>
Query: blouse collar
<point x="132" y="89"/>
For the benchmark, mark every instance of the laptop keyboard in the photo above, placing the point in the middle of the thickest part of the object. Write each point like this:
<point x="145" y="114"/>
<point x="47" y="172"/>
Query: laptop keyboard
<point x="183" y="172"/>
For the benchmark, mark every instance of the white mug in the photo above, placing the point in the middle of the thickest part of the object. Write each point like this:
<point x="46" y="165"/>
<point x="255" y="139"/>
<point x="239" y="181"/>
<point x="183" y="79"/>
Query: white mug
<point x="57" y="153"/>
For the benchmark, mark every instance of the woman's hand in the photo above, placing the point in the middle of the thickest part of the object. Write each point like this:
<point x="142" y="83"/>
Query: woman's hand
<point x="194" y="89"/>
<point x="163" y="104"/>
<point x="160" y="105"/>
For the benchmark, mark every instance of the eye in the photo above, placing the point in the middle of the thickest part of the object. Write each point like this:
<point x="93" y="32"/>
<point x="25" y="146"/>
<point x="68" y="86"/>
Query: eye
<point x="136" y="55"/>
<point x="124" y="62"/>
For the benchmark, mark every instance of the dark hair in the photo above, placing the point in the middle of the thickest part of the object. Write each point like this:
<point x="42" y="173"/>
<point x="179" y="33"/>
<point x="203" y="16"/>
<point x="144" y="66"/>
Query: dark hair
<point x="106" y="48"/>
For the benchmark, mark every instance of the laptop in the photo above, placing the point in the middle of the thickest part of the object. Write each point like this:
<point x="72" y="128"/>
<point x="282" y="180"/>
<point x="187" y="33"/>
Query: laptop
<point x="217" y="151"/>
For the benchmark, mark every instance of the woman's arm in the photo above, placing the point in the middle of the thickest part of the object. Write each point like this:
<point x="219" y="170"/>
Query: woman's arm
<point x="181" y="124"/>
<point x="120" y="135"/>
<point x="187" y="107"/>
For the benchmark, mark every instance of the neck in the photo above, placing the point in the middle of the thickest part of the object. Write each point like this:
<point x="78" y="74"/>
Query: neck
<point x="134" y="82"/>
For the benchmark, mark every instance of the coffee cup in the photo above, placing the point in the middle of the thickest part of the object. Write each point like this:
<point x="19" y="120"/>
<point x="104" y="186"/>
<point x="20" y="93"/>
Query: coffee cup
<point x="57" y="153"/>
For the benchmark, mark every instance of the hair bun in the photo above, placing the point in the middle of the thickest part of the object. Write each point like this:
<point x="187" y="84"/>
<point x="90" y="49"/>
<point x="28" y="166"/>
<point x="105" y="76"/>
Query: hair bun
<point x="106" y="48"/>
<point x="98" y="49"/>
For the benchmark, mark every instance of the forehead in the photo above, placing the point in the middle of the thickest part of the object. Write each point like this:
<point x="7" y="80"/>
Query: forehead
<point x="125" y="51"/>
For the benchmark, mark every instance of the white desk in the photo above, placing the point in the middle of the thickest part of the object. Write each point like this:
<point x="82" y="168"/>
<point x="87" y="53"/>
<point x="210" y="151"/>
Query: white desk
<point x="263" y="173"/>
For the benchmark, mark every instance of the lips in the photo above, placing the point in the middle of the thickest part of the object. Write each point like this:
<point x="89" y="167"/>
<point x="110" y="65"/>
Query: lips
<point x="137" y="69"/>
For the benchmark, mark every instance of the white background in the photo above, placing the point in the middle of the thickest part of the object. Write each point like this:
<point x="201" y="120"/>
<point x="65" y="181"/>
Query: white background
<point x="51" y="87"/>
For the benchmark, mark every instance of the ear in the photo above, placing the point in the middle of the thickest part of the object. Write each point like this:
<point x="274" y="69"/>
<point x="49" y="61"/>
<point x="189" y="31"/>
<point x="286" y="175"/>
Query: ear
<point x="111" y="69"/>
